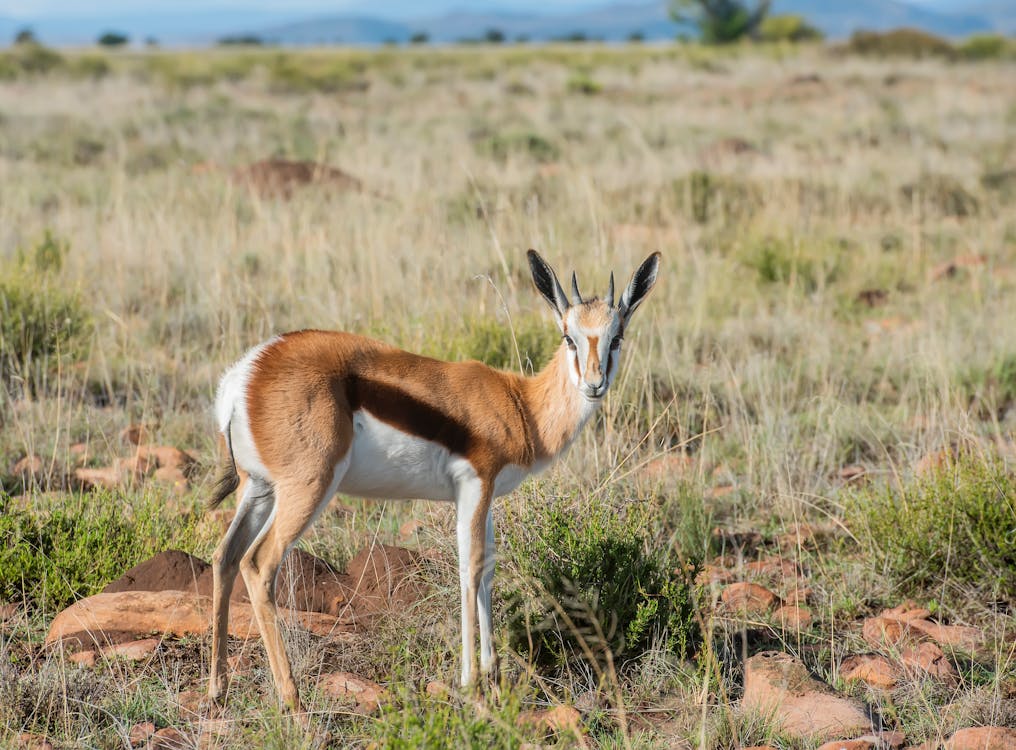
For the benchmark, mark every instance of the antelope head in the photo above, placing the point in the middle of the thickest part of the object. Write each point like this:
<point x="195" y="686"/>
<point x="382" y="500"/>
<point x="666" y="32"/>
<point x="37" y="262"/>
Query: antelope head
<point x="593" y="328"/>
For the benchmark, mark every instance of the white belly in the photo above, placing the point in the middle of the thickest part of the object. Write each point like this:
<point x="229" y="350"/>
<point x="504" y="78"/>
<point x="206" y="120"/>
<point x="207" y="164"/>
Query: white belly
<point x="388" y="463"/>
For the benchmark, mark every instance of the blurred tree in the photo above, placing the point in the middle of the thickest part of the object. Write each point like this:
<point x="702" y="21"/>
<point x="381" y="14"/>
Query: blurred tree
<point x="113" y="39"/>
<point x="788" y="28"/>
<point x="720" y="21"/>
<point x="25" y="36"/>
<point x="494" y="36"/>
<point x="419" y="37"/>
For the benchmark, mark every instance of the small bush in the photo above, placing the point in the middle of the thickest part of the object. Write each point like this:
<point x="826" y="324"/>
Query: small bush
<point x="502" y="145"/>
<point x="415" y="721"/>
<point x="490" y="342"/>
<point x="788" y="28"/>
<point x="705" y="196"/>
<point x="779" y="261"/>
<point x="290" y="74"/>
<point x="31" y="59"/>
<point x="992" y="388"/>
<point x="596" y="580"/>
<point x="39" y="320"/>
<point x="899" y="43"/>
<point x="51" y="559"/>
<point x="958" y="525"/>
<point x="89" y="66"/>
<point x="941" y="193"/>
<point x="581" y="83"/>
<point x="984" y="47"/>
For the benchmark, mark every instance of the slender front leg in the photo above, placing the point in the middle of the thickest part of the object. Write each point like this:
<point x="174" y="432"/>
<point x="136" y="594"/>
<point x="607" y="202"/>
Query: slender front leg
<point x="488" y="656"/>
<point x="472" y="505"/>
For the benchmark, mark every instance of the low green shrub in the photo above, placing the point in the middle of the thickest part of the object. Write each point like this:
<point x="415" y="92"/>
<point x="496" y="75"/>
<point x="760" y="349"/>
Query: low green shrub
<point x="581" y="83"/>
<point x="991" y="388"/>
<point x="595" y="583"/>
<point x="291" y="74"/>
<point x="985" y="47"/>
<point x="782" y="261"/>
<point x="29" y="59"/>
<point x="705" y="196"/>
<point x="415" y="721"/>
<point x="500" y="146"/>
<point x="50" y="559"/>
<point x="956" y="525"/>
<point x="39" y="320"/>
<point x="788" y="27"/>
<point x="899" y="43"/>
<point x="942" y="194"/>
<point x="490" y="341"/>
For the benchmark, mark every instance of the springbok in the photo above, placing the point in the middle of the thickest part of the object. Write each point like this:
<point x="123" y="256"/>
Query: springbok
<point x="311" y="413"/>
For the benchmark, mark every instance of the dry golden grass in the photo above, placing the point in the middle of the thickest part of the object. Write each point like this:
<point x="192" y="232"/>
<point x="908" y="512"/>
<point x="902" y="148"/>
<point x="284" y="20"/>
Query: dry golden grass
<point x="804" y="322"/>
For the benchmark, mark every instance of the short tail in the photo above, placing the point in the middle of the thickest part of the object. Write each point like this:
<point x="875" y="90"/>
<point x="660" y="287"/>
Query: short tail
<point x="228" y="478"/>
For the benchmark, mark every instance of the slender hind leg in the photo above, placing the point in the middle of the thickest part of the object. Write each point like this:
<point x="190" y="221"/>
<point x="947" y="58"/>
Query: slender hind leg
<point x="488" y="656"/>
<point x="252" y="513"/>
<point x="297" y="505"/>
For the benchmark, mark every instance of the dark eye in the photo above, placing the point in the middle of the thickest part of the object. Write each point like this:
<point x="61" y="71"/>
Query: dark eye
<point x="616" y="342"/>
<point x="569" y="342"/>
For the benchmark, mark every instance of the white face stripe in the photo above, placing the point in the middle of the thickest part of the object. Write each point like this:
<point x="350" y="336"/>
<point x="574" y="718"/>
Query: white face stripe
<point x="591" y="383"/>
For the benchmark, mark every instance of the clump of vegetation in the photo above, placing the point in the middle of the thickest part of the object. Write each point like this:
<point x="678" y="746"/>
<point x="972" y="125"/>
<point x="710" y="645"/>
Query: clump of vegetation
<point x="899" y="43"/>
<point x="51" y="559"/>
<point x="985" y="47"/>
<point x="781" y="261"/>
<point x="788" y="27"/>
<point x="597" y="584"/>
<point x="413" y="721"/>
<point x="289" y="74"/>
<point x="705" y="196"/>
<point x="29" y="58"/>
<point x="941" y="193"/>
<point x="582" y="83"/>
<point x="957" y="525"/>
<point x="992" y="388"/>
<point x="721" y="22"/>
<point x="489" y="341"/>
<point x="39" y="320"/>
<point x="500" y="146"/>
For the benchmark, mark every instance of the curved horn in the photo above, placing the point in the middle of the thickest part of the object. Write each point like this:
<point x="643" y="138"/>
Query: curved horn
<point x="610" y="291"/>
<point x="576" y="295"/>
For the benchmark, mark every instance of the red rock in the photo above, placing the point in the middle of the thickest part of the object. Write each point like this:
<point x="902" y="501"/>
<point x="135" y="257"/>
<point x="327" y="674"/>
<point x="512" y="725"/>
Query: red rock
<point x="367" y="694"/>
<point x="928" y="657"/>
<point x="775" y="567"/>
<point x="30" y="467"/>
<point x="712" y="573"/>
<point x="410" y="528"/>
<point x="79" y="452"/>
<point x="134" y="434"/>
<point x="169" y="739"/>
<point x="438" y="689"/>
<point x="31" y="741"/>
<point x="793" y="616"/>
<point x="720" y="490"/>
<point x="239" y="662"/>
<point x="191" y="701"/>
<point x="798" y="595"/>
<point x="134" y="468"/>
<point x="748" y="598"/>
<point x="804" y="536"/>
<point x="876" y="671"/>
<point x="85" y="659"/>
<point x="140" y="733"/>
<point x="670" y="466"/>
<point x="908" y="622"/>
<point x="982" y="738"/>
<point x="852" y="473"/>
<point x="166" y="456"/>
<point x="860" y="744"/>
<point x="116" y="617"/>
<point x="134" y="650"/>
<point x="172" y="476"/>
<point x="557" y="719"/>
<point x="107" y="477"/>
<point x="778" y="685"/>
<point x="957" y="636"/>
<point x="8" y="612"/>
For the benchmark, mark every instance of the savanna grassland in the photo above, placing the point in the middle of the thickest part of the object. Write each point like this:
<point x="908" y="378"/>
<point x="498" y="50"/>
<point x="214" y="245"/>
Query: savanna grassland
<point x="823" y="382"/>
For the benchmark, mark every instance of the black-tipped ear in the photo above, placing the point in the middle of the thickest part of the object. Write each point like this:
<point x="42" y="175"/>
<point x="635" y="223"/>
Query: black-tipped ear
<point x="641" y="283"/>
<point x="547" y="284"/>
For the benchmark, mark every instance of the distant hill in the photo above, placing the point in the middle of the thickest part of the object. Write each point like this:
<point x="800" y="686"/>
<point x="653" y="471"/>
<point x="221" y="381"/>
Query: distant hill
<point x="614" y="22"/>
<point x="837" y="18"/>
